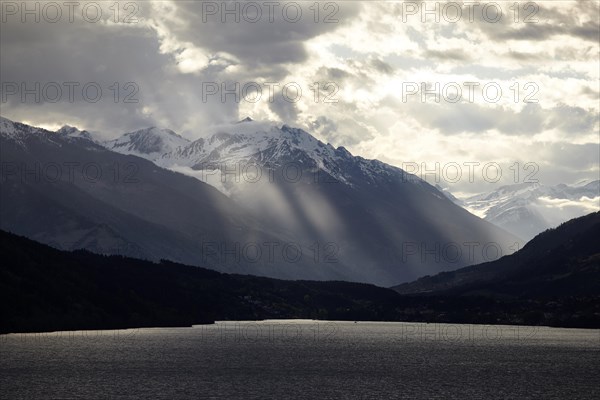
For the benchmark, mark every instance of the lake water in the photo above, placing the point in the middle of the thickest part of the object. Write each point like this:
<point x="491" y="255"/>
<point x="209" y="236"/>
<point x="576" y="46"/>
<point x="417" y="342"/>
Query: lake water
<point x="305" y="360"/>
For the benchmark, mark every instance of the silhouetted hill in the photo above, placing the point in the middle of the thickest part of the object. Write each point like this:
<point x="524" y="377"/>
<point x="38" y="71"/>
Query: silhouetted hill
<point x="557" y="263"/>
<point x="44" y="289"/>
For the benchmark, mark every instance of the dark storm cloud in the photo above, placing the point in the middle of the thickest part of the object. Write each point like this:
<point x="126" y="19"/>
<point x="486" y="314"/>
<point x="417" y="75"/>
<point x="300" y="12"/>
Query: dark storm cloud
<point x="80" y="53"/>
<point x="255" y="44"/>
<point x="148" y="53"/>
<point x="103" y="54"/>
<point x="170" y="53"/>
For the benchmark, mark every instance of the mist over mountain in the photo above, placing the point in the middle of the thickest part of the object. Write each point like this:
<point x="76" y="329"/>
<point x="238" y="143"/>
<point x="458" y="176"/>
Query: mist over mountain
<point x="44" y="289"/>
<point x="72" y="193"/>
<point x="148" y="143"/>
<point x="559" y="262"/>
<point x="527" y="209"/>
<point x="71" y="131"/>
<point x="287" y="205"/>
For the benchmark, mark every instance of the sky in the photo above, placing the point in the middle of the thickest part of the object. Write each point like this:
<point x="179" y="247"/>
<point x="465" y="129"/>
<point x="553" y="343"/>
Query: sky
<point x="479" y="94"/>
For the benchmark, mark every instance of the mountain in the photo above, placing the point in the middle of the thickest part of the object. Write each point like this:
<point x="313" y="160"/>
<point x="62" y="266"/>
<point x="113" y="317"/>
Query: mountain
<point x="527" y="209"/>
<point x="362" y="213"/>
<point x="44" y="289"/>
<point x="559" y="262"/>
<point x="72" y="193"/>
<point x="71" y="131"/>
<point x="148" y="143"/>
<point x="264" y="145"/>
<point x="288" y="205"/>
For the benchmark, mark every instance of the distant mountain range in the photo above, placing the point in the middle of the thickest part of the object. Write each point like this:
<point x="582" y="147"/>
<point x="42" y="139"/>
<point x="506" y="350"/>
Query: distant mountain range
<point x="524" y="209"/>
<point x="527" y="209"/>
<point x="288" y="205"/>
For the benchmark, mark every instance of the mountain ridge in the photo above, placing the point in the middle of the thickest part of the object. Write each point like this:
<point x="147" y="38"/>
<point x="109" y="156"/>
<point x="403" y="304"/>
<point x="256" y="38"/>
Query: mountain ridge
<point x="350" y="218"/>
<point x="526" y="209"/>
<point x="556" y="261"/>
<point x="45" y="289"/>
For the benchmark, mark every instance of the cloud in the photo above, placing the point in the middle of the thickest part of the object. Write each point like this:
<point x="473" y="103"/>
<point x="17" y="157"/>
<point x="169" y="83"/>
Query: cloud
<point x="359" y="63"/>
<point x="454" y="54"/>
<point x="285" y="110"/>
<point x="556" y="211"/>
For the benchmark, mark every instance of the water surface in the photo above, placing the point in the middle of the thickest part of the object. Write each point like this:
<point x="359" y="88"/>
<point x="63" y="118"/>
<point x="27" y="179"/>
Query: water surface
<point x="305" y="360"/>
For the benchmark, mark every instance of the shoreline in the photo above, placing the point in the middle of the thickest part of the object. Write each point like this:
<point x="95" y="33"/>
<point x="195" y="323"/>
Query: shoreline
<point x="281" y="321"/>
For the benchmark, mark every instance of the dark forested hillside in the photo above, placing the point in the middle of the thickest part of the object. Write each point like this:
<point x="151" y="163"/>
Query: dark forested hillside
<point x="559" y="262"/>
<point x="44" y="289"/>
<point x="552" y="281"/>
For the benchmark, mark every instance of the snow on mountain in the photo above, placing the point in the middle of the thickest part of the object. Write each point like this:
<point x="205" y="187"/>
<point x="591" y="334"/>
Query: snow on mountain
<point x="9" y="131"/>
<point x="527" y="209"/>
<point x="19" y="133"/>
<point x="364" y="221"/>
<point x="267" y="145"/>
<point x="7" y="127"/>
<point x="149" y="143"/>
<point x="71" y="131"/>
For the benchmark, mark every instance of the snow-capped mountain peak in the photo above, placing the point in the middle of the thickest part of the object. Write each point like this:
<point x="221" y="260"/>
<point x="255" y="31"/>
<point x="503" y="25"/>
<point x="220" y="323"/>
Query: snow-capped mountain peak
<point x="149" y="143"/>
<point x="526" y="209"/>
<point x="7" y="127"/>
<point x="19" y="133"/>
<point x="272" y="146"/>
<point x="71" y="131"/>
<point x="352" y="217"/>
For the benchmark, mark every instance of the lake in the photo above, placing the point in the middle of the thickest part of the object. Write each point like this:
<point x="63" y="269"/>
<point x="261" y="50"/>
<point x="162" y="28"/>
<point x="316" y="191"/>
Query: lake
<point x="301" y="359"/>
